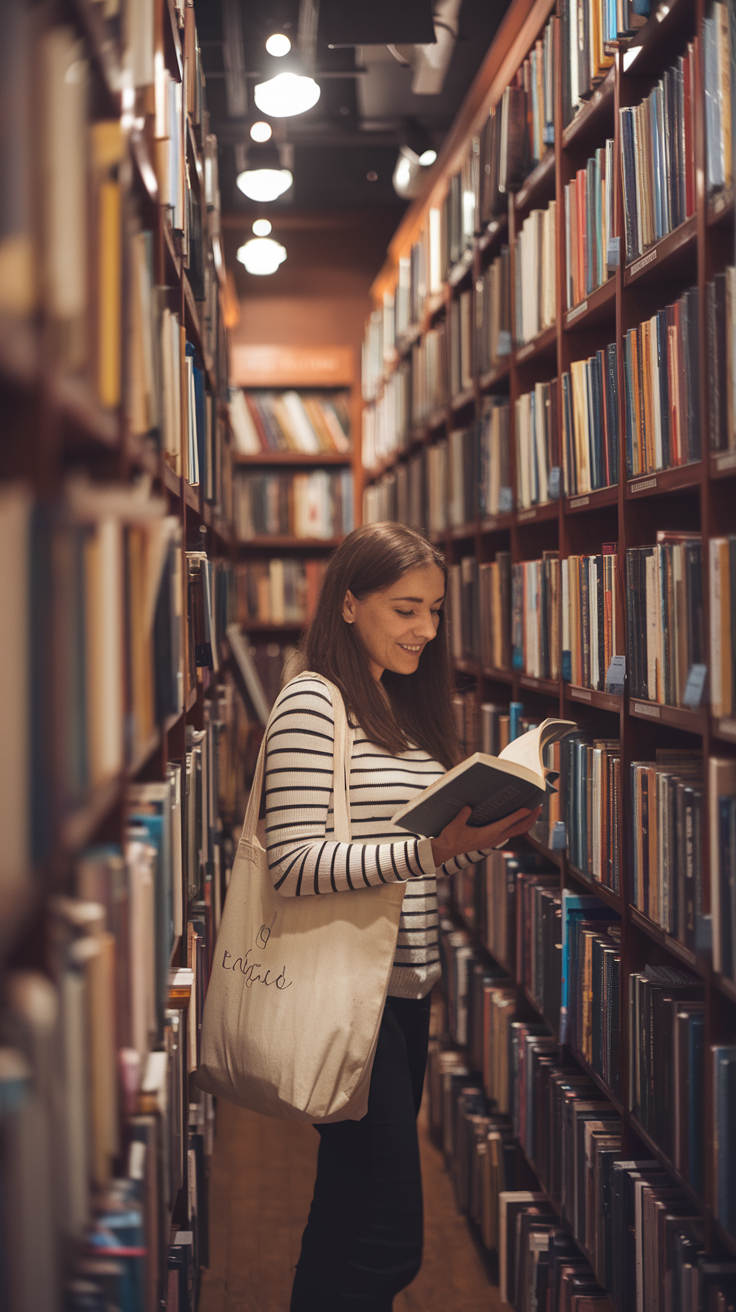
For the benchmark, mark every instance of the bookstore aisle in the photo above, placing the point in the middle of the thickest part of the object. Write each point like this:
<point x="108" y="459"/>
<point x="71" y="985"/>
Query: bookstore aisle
<point x="261" y="1187"/>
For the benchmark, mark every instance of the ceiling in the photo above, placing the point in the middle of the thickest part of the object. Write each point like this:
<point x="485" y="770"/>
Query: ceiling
<point x="346" y="147"/>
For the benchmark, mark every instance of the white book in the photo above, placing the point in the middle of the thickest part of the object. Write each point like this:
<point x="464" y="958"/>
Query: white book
<point x="301" y="425"/>
<point x="244" y="431"/>
<point x="15" y="694"/>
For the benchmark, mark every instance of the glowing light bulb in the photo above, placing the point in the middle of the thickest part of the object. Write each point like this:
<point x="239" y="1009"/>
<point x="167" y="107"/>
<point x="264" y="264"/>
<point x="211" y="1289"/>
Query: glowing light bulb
<point x="286" y="94"/>
<point x="262" y="255"/>
<point x="261" y="132"/>
<point x="264" y="184"/>
<point x="278" y="45"/>
<point x="261" y="227"/>
<point x="427" y="157"/>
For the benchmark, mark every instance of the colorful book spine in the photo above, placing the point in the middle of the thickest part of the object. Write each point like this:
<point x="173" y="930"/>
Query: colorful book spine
<point x="662" y="390"/>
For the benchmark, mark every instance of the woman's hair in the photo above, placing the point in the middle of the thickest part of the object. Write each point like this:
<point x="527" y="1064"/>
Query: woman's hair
<point x="419" y="709"/>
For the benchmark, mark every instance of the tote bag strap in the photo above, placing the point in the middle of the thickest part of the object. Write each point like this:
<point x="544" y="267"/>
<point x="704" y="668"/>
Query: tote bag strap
<point x="341" y="765"/>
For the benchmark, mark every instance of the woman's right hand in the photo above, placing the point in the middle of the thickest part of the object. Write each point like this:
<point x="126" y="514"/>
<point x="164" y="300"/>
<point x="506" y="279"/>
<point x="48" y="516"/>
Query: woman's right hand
<point x="459" y="837"/>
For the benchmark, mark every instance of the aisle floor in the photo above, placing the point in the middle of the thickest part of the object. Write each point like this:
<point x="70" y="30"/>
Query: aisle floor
<point x="261" y="1187"/>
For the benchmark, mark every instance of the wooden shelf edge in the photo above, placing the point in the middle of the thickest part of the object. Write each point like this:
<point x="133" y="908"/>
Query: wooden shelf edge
<point x="600" y="103"/>
<point x="657" y="481"/>
<point x="581" y="315"/>
<point x="584" y="502"/>
<point x="537" y="181"/>
<point x="292" y="543"/>
<point x="602" y="891"/>
<point x="677" y="717"/>
<point x="664" y="940"/>
<point x="597" y="1079"/>
<point x="675" y="243"/>
<point x="551" y="687"/>
<point x="292" y="458"/>
<point x="604" y="701"/>
<point x="538" y="346"/>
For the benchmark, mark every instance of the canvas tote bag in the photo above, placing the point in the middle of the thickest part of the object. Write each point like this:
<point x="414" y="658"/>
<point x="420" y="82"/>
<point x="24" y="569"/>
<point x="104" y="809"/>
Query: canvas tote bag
<point x="298" y="984"/>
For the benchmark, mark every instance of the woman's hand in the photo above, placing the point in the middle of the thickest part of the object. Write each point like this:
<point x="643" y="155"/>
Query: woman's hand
<point x="459" y="836"/>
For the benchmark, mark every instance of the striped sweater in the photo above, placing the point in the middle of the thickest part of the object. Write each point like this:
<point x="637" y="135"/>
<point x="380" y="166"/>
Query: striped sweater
<point x="303" y="857"/>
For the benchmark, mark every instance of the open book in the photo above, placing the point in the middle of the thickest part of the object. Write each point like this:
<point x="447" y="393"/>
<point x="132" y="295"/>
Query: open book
<point x="494" y="786"/>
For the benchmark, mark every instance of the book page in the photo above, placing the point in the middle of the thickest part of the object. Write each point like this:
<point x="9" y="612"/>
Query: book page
<point x="528" y="749"/>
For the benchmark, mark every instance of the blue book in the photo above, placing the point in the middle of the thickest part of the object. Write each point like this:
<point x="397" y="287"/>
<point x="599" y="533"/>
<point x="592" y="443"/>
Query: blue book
<point x="575" y="908"/>
<point x="696" y="1109"/>
<point x="724" y="1082"/>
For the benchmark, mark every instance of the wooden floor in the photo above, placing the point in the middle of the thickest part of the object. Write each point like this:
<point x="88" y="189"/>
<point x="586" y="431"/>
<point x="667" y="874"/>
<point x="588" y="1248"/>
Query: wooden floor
<point x="261" y="1187"/>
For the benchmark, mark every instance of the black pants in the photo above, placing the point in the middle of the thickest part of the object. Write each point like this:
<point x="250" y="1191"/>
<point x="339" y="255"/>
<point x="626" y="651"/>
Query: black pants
<point x="363" y="1241"/>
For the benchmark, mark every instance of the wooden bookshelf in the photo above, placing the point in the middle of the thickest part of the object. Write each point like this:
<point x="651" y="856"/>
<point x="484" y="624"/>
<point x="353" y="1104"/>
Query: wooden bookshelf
<point x="59" y="430"/>
<point x="631" y="511"/>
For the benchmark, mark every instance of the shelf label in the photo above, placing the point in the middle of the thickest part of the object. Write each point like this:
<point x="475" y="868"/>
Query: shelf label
<point x="525" y="351"/>
<point x="575" y="314"/>
<point x="642" y="263"/>
<point x="526" y="514"/>
<point x="553" y="483"/>
<point x="727" y="728"/>
<point x="504" y="346"/>
<point x="616" y="676"/>
<point x="727" y="461"/>
<point x="577" y="502"/>
<point x="694" y="686"/>
<point x="647" y="708"/>
<point x="528" y="681"/>
<point x="505" y="500"/>
<point x="613" y="253"/>
<point x="581" y="694"/>
<point x="643" y="486"/>
<point x="559" y="836"/>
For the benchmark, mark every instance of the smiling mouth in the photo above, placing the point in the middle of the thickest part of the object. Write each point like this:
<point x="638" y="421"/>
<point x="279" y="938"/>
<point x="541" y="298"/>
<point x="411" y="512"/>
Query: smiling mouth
<point x="404" y="647"/>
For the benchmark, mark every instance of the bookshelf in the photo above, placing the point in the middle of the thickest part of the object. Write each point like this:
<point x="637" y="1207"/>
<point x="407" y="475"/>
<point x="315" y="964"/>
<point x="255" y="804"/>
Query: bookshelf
<point x="115" y="496"/>
<point x="696" y="496"/>
<point x="315" y="373"/>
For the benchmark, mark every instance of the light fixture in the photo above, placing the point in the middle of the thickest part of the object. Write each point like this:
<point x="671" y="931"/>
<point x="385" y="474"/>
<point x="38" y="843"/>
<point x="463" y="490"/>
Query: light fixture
<point x="261" y="227"/>
<point x="278" y="45"/>
<point x="427" y="157"/>
<point x="263" y="178"/>
<point x="286" y="94"/>
<point x="260" y="132"/>
<point x="262" y="255"/>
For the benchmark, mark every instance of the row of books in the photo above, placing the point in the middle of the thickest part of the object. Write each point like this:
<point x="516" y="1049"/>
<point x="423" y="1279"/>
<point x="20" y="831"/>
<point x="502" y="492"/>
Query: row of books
<point x="314" y="505"/>
<point x="430" y="370"/>
<point x="282" y="590"/>
<point x="591" y="423"/>
<point x="535" y="293"/>
<point x="589" y="224"/>
<point x="479" y="611"/>
<point x="666" y="845"/>
<point x="520" y="129"/>
<point x="537" y="445"/>
<point x="458" y="215"/>
<point x="658" y="158"/>
<point x="661" y="388"/>
<point x="535" y="616"/>
<point x="590" y="793"/>
<point x="305" y="423"/>
<point x="718" y="46"/>
<point x="460" y="343"/>
<point x="720" y="311"/>
<point x="637" y="1234"/>
<point x="592" y="616"/>
<point x="493" y="337"/>
<point x="664" y="618"/>
<point x="103" y="1140"/>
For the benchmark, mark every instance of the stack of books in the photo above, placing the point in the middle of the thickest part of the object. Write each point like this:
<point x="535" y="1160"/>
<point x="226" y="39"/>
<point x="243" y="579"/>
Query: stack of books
<point x="592" y="616"/>
<point x="661" y="388"/>
<point x="535" y="305"/>
<point x="591" y="423"/>
<point x="537" y="445"/>
<point x="589" y="224"/>
<point x="664" y="616"/>
<point x="305" y="423"/>
<point x="314" y="505"/>
<point x="658" y="160"/>
<point x="535" y="616"/>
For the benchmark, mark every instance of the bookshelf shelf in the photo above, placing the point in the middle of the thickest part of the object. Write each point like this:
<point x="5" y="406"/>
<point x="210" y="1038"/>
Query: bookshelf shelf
<point x="462" y="532"/>
<point x="659" y="935"/>
<point x="295" y="458"/>
<point x="82" y="823"/>
<point x="170" y="480"/>
<point x="547" y="510"/>
<point x="724" y="729"/>
<point x="603" y="701"/>
<point x="598" y="307"/>
<point x="500" y="676"/>
<point x="493" y="377"/>
<point x="144" y="170"/>
<point x="595" y="1077"/>
<point x="539" y="185"/>
<point x="723" y="464"/>
<point x="144" y="753"/>
<point x="191" y="496"/>
<point x="587" y="501"/>
<point x="724" y="985"/>
<point x="19" y="356"/>
<point x="678" y="717"/>
<point x="543" y="345"/>
<point x="291" y="543"/>
<point x="677" y="248"/>
<point x="720" y="210"/>
<point x="662" y="1157"/>
<point x="555" y="857"/>
<point x="172" y="41"/>
<point x="262" y="626"/>
<point x="81" y="417"/>
<point x="466" y="667"/>
<point x="101" y="48"/>
<point x="462" y="400"/>
<point x="533" y="1002"/>
<point x="550" y="687"/>
<point x="664" y="480"/>
<point x="594" y="118"/>
<point x="496" y="524"/>
<point x="461" y="270"/>
<point x="668" y="24"/>
<point x="171" y="252"/>
<point x="601" y="891"/>
<point x="494" y="231"/>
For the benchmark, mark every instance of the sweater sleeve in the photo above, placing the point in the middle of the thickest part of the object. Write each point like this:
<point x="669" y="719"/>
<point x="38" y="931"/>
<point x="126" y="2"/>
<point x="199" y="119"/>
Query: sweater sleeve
<point x="298" y="794"/>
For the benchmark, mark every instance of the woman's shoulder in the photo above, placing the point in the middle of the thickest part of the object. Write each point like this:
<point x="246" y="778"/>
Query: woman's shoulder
<point x="306" y="694"/>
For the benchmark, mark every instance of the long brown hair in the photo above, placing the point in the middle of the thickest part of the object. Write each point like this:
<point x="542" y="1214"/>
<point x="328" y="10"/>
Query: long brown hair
<point x="419" y="710"/>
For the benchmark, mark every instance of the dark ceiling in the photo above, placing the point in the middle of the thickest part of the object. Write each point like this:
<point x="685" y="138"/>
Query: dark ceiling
<point x="345" y="148"/>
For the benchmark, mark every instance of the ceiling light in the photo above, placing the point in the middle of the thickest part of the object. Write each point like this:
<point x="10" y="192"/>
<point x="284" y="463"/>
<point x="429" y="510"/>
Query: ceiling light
<point x="264" y="184"/>
<point x="427" y="157"/>
<point x="286" y="94"/>
<point x="261" y="227"/>
<point x="262" y="255"/>
<point x="260" y="132"/>
<point x="278" y="45"/>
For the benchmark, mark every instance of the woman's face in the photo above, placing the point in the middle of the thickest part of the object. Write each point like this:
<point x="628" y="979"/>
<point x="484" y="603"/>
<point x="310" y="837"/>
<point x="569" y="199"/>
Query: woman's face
<point x="395" y="624"/>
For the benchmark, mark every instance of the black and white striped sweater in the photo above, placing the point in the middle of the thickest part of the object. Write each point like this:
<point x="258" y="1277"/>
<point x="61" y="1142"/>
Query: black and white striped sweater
<point x="304" y="859"/>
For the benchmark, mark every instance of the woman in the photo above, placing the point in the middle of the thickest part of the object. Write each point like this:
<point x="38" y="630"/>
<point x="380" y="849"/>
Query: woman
<point x="379" y="634"/>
